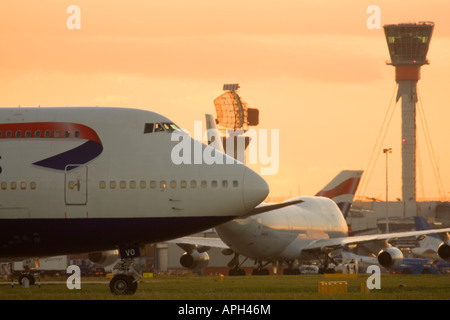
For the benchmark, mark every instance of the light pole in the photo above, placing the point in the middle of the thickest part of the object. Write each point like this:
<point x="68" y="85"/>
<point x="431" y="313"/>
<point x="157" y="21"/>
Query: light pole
<point x="387" y="151"/>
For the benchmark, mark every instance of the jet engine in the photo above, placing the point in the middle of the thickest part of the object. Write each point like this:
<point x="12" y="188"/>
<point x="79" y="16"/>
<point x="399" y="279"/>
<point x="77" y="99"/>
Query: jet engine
<point x="444" y="251"/>
<point x="195" y="260"/>
<point x="104" y="258"/>
<point x="390" y="258"/>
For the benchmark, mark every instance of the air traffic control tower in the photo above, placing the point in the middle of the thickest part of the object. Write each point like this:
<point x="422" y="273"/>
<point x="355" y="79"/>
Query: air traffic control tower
<point x="408" y="46"/>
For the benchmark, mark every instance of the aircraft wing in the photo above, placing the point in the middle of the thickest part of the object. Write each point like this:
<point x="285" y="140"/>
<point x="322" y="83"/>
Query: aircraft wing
<point x="200" y="241"/>
<point x="343" y="242"/>
<point x="265" y="207"/>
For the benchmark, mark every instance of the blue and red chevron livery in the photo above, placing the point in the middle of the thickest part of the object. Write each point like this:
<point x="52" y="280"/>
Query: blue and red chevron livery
<point x="82" y="154"/>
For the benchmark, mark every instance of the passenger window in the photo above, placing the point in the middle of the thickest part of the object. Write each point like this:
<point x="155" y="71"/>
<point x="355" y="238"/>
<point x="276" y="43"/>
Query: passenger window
<point x="132" y="184"/>
<point x="112" y="184"/>
<point x="214" y="184"/>
<point x="148" y="128"/>
<point x="102" y="184"/>
<point x="153" y="184"/>
<point x="33" y="185"/>
<point x="28" y="133"/>
<point x="57" y="134"/>
<point x="23" y="185"/>
<point x="173" y="184"/>
<point x="4" y="185"/>
<point x="13" y="185"/>
<point x="37" y="133"/>
<point x="18" y="133"/>
<point x="47" y="133"/>
<point x="183" y="184"/>
<point x="193" y="184"/>
<point x="235" y="184"/>
<point x="142" y="184"/>
<point x="123" y="184"/>
<point x="162" y="184"/>
<point x="77" y="134"/>
<point x="224" y="183"/>
<point x="8" y="134"/>
<point x="67" y="133"/>
<point x="203" y="184"/>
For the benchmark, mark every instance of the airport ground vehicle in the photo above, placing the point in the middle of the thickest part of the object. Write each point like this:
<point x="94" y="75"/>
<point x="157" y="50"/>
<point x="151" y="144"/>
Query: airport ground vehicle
<point x="51" y="266"/>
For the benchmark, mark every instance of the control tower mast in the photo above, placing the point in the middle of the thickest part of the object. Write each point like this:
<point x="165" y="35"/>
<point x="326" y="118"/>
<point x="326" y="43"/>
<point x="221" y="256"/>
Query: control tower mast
<point x="408" y="46"/>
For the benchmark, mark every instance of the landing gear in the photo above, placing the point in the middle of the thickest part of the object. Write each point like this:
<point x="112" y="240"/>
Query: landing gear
<point x="326" y="259"/>
<point x="292" y="268"/>
<point x="261" y="271"/>
<point x="27" y="276"/>
<point x="124" y="283"/>
<point x="236" y="266"/>
<point x="236" y="271"/>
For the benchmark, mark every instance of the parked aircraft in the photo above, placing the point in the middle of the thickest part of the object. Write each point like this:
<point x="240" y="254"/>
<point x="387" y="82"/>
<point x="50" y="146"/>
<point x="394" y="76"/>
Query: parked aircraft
<point x="266" y="238"/>
<point x="429" y="245"/>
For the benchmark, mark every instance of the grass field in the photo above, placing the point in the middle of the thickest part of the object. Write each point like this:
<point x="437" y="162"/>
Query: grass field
<point x="414" y="287"/>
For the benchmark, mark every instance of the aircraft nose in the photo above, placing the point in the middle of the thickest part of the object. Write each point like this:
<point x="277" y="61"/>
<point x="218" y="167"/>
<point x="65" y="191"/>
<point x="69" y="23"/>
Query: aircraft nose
<point x="255" y="189"/>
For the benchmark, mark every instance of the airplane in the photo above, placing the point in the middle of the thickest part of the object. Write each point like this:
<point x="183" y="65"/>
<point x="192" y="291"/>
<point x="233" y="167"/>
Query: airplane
<point x="314" y="228"/>
<point x="97" y="179"/>
<point x="427" y="258"/>
<point x="408" y="265"/>
<point x="250" y="238"/>
<point x="429" y="245"/>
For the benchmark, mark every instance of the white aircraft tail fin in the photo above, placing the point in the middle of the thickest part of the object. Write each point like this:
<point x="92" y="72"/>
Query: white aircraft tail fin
<point x="342" y="189"/>
<point x="234" y="145"/>
<point x="214" y="137"/>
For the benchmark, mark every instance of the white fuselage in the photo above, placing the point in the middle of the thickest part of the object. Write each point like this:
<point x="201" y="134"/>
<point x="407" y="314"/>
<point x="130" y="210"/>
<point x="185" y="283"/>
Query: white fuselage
<point x="98" y="178"/>
<point x="282" y="234"/>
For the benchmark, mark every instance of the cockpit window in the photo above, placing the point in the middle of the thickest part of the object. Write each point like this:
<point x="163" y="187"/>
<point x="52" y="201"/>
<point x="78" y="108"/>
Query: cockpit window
<point x="159" y="127"/>
<point x="171" y="127"/>
<point x="148" y="128"/>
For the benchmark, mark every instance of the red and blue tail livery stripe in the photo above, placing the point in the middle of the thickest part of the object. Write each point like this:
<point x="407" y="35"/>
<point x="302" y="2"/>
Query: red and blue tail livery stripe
<point x="82" y="154"/>
<point x="342" y="189"/>
<point x="349" y="186"/>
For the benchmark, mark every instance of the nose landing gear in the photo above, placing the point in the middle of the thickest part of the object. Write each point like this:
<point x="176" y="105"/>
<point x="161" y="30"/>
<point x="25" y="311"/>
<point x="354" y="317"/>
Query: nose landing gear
<point x="124" y="283"/>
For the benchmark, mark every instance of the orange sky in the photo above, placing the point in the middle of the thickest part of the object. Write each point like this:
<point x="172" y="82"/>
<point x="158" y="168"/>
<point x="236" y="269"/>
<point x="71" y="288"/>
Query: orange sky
<point x="314" y="70"/>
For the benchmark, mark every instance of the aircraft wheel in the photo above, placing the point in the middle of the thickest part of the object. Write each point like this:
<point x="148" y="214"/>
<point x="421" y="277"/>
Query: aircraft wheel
<point x="134" y="285"/>
<point x="260" y="272"/>
<point x="122" y="284"/>
<point x="29" y="277"/>
<point x="232" y="272"/>
<point x="236" y="272"/>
